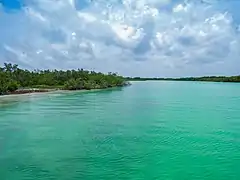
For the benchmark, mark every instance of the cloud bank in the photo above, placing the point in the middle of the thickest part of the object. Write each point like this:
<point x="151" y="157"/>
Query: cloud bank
<point x="132" y="37"/>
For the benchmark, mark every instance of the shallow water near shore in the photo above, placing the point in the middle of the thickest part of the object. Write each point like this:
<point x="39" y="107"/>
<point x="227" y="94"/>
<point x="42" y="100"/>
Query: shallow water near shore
<point x="149" y="130"/>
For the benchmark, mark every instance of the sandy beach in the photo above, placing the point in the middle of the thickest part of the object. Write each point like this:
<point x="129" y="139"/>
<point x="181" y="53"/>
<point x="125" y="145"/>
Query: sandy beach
<point x="21" y="97"/>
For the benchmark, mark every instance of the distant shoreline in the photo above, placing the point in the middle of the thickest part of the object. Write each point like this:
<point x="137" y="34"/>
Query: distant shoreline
<point x="223" y="79"/>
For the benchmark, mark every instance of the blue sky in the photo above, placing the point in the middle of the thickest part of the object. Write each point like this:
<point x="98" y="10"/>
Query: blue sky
<point x="12" y="4"/>
<point x="132" y="37"/>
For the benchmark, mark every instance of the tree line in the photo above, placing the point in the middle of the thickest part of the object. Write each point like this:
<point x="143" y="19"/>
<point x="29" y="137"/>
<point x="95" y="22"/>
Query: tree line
<point x="13" y="78"/>
<point x="205" y="78"/>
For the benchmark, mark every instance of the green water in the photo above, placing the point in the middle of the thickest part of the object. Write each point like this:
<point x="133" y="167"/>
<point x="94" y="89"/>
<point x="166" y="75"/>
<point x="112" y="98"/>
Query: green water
<point x="150" y="130"/>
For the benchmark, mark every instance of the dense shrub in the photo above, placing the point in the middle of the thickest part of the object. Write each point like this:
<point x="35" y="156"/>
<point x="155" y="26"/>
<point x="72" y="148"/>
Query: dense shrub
<point x="12" y="77"/>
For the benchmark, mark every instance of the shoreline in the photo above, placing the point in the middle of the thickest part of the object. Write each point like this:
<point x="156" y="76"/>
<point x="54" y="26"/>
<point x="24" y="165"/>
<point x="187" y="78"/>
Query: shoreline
<point x="14" y="98"/>
<point x="29" y="92"/>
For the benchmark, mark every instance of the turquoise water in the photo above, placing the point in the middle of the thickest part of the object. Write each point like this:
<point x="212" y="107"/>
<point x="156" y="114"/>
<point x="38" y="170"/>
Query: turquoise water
<point x="150" y="130"/>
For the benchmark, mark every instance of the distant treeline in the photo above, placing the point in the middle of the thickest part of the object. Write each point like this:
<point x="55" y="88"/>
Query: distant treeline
<point x="12" y="78"/>
<point x="205" y="78"/>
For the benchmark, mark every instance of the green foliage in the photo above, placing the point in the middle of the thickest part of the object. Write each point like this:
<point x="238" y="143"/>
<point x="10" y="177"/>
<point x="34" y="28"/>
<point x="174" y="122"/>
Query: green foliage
<point x="7" y="84"/>
<point x="206" y="78"/>
<point x="71" y="84"/>
<point x="12" y="86"/>
<point x="12" y="77"/>
<point x="3" y="83"/>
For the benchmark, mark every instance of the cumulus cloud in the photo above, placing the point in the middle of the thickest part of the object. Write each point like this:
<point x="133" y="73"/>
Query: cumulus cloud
<point x="132" y="37"/>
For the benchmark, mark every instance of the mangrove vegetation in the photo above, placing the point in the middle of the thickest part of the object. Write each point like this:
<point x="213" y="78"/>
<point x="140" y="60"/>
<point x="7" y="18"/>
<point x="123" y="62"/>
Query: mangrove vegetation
<point x="13" y="78"/>
<point x="235" y="79"/>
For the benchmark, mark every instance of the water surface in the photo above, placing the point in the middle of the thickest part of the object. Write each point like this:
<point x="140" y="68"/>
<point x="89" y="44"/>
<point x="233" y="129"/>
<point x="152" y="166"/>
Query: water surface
<point x="150" y="130"/>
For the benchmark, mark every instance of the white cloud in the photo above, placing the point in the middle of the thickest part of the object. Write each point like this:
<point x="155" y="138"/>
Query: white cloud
<point x="137" y="37"/>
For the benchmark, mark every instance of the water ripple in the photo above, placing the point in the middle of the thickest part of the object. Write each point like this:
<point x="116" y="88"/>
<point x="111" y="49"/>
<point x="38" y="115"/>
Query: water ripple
<point x="124" y="134"/>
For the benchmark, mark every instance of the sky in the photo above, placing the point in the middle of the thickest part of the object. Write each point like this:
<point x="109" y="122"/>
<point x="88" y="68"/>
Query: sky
<point x="159" y="38"/>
